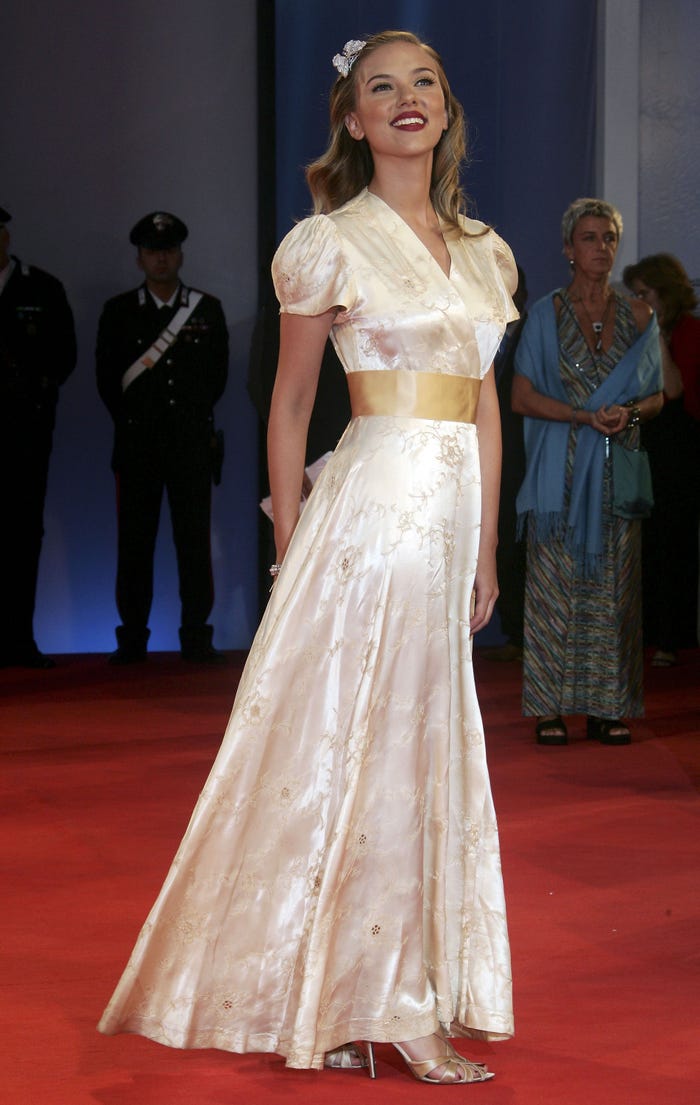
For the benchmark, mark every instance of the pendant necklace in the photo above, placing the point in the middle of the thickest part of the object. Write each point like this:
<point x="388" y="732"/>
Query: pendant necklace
<point x="597" y="327"/>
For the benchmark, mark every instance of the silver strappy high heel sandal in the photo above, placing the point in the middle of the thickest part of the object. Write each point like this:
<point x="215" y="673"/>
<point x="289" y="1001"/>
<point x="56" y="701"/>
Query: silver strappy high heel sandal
<point x="455" y="1069"/>
<point x="351" y="1057"/>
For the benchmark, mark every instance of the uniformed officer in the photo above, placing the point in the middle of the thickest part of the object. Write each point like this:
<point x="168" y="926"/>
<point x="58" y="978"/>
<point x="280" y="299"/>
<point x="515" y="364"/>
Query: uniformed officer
<point x="162" y="362"/>
<point x="37" y="353"/>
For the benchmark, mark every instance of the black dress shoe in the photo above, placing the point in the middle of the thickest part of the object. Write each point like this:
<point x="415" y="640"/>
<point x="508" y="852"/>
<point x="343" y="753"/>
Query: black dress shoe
<point x="204" y="654"/>
<point x="127" y="654"/>
<point x="27" y="658"/>
<point x="38" y="660"/>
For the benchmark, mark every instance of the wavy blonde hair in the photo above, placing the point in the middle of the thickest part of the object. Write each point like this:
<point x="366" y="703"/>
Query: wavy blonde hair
<point x="347" y="165"/>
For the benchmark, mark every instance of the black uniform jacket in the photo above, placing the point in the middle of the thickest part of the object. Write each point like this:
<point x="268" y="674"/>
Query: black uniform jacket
<point x="170" y="405"/>
<point x="37" y="347"/>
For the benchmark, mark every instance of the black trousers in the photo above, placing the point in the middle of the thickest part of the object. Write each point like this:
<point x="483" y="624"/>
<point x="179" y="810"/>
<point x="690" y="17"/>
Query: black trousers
<point x="25" y="449"/>
<point x="185" y="476"/>
<point x="510" y="565"/>
<point x="510" y="553"/>
<point x="670" y="536"/>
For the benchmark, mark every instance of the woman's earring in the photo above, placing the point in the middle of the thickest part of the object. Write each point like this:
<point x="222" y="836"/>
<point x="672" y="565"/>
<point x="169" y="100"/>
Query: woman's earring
<point x="571" y="262"/>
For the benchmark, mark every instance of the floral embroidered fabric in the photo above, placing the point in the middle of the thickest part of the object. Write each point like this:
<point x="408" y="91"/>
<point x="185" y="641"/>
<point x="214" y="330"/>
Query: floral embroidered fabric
<point x="340" y="877"/>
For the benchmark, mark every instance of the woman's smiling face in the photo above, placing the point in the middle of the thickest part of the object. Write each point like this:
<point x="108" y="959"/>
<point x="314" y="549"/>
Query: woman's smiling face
<point x="399" y="103"/>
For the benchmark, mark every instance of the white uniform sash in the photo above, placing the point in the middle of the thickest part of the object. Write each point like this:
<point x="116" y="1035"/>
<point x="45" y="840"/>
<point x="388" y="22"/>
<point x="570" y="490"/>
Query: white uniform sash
<point x="164" y="340"/>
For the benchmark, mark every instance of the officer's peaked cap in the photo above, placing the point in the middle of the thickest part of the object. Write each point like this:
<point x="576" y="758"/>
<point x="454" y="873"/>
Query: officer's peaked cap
<point x="159" y="230"/>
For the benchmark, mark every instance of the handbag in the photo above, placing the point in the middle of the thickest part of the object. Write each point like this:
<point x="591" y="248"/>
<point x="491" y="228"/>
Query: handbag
<point x="631" y="474"/>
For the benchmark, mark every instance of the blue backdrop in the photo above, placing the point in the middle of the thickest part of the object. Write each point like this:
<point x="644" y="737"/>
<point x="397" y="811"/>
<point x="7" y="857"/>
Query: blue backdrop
<point x="524" y="70"/>
<point x="525" y="73"/>
<point x="117" y="110"/>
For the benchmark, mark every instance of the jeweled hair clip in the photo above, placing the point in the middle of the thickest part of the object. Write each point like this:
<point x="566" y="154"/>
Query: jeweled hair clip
<point x="345" y="61"/>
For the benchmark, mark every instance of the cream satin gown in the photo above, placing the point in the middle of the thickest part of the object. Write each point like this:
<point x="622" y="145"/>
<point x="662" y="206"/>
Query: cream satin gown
<point x="340" y="877"/>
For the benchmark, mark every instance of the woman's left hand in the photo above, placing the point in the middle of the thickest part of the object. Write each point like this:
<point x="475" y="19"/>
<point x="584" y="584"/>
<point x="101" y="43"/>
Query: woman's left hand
<point x="612" y="419"/>
<point x="484" y="594"/>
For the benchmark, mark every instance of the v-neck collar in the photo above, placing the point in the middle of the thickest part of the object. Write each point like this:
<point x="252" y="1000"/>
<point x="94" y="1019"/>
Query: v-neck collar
<point x="421" y="245"/>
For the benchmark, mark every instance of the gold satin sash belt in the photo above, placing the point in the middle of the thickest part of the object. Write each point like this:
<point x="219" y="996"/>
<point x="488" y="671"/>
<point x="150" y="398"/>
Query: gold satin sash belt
<point x="414" y="395"/>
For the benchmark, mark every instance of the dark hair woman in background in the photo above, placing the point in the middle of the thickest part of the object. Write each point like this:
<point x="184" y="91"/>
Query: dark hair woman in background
<point x="670" y="535"/>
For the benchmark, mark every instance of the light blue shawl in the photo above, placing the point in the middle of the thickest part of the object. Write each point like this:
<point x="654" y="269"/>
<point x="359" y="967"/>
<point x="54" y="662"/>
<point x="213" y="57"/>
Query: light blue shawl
<point x="540" y="500"/>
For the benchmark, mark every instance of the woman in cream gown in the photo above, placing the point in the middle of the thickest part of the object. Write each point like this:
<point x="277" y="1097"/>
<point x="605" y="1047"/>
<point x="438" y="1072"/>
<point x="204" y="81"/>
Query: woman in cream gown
<point x="340" y="877"/>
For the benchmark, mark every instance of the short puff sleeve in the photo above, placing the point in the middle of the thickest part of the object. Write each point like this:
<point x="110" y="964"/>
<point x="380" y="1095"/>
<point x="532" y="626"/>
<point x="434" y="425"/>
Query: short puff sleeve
<point x="505" y="262"/>
<point x="310" y="271"/>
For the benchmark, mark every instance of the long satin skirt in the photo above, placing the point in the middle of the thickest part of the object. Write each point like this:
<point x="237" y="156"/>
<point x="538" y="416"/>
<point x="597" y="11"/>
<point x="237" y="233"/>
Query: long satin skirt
<point x="340" y="877"/>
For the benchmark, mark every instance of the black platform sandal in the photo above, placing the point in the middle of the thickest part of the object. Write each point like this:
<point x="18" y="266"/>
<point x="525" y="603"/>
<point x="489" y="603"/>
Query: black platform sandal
<point x="608" y="731"/>
<point x="551" y="730"/>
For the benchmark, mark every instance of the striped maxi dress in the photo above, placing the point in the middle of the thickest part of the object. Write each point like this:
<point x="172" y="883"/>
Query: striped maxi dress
<point x="583" y="637"/>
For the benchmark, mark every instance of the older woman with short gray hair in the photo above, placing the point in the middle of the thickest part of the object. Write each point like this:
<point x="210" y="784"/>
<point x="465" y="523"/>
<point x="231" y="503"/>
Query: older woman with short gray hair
<point x="587" y="373"/>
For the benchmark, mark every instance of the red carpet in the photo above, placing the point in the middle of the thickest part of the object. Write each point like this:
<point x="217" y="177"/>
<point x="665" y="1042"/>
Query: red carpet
<point x="100" y="770"/>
